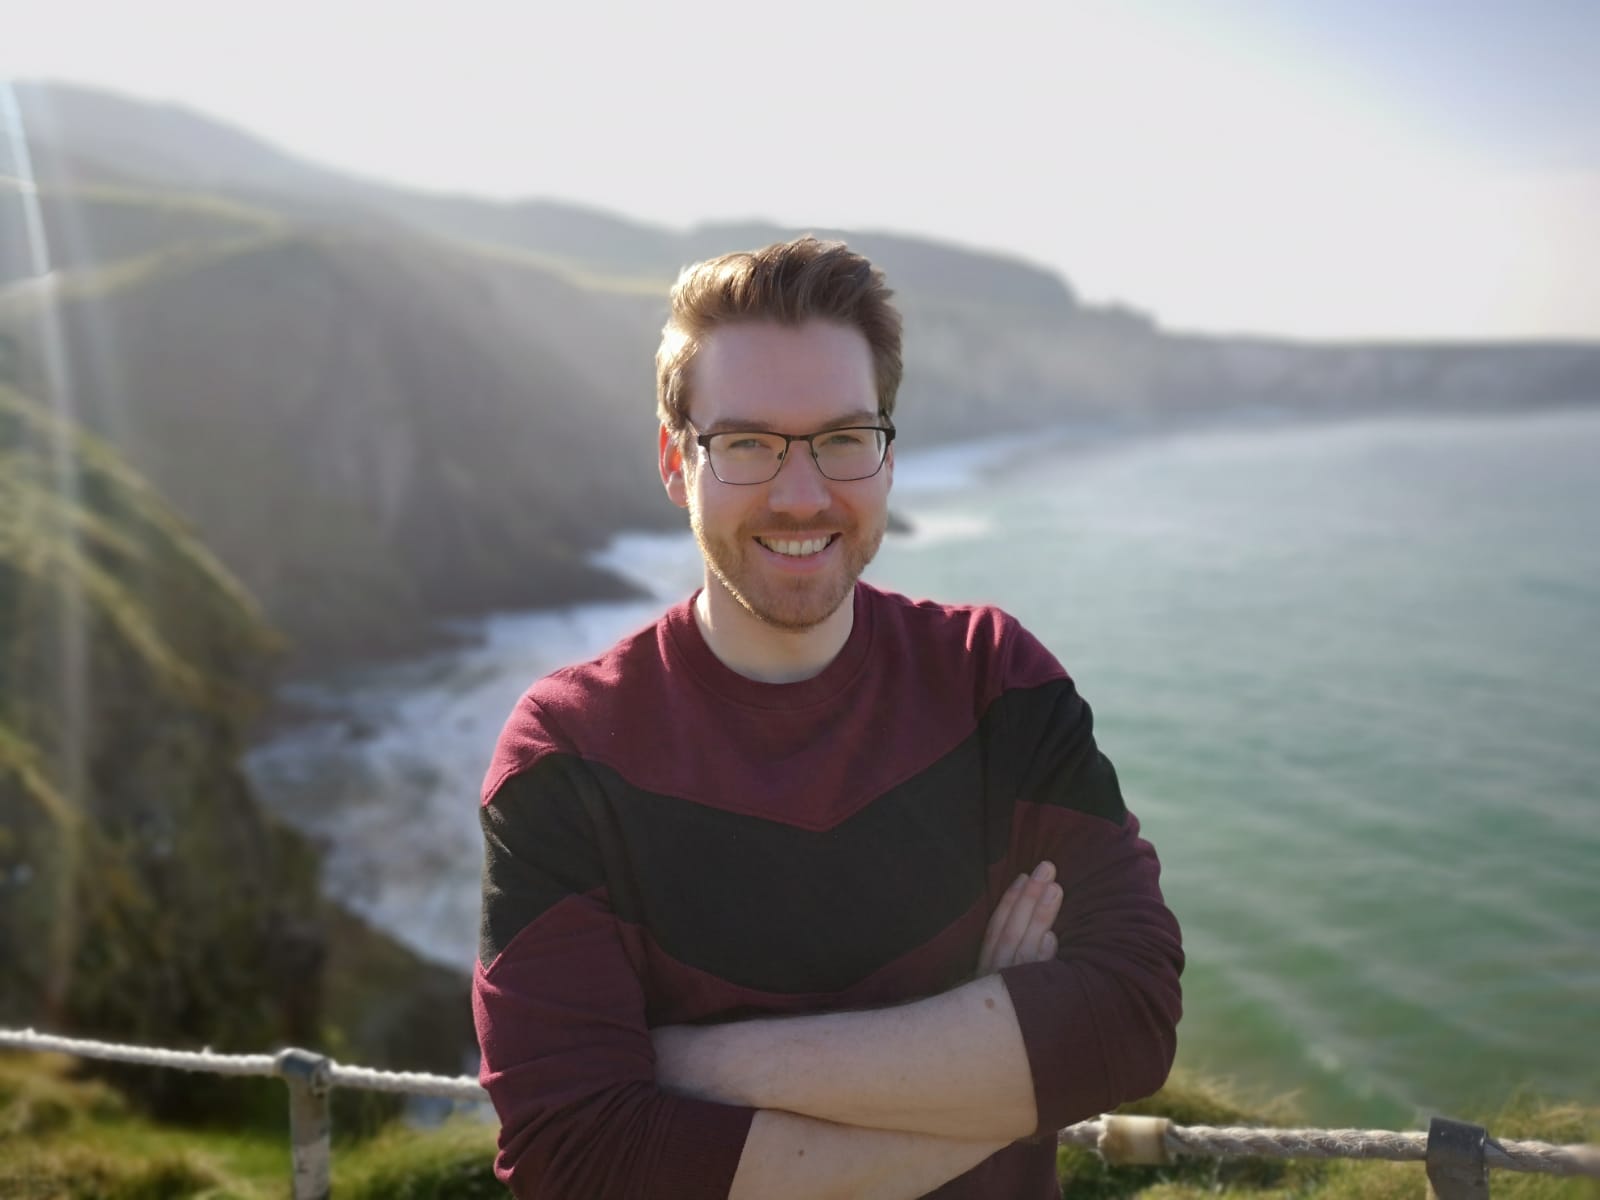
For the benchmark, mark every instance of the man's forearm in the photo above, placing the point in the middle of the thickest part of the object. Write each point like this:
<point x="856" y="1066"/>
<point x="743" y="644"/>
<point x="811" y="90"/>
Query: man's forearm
<point x="952" y="1065"/>
<point x="793" y="1156"/>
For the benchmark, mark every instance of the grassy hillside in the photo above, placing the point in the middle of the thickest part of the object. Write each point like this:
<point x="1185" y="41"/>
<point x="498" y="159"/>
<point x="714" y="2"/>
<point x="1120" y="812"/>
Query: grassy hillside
<point x="94" y="226"/>
<point x="143" y="894"/>
<point x="371" y="434"/>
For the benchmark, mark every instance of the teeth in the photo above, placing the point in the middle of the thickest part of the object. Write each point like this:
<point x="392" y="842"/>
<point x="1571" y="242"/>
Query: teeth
<point x="795" y="549"/>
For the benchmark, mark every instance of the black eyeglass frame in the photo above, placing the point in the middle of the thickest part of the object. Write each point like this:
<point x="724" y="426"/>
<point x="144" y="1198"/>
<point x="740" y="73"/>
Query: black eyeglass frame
<point x="703" y="440"/>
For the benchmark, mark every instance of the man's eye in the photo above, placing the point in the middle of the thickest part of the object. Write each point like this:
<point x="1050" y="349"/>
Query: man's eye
<point x="845" y="439"/>
<point x="746" y="445"/>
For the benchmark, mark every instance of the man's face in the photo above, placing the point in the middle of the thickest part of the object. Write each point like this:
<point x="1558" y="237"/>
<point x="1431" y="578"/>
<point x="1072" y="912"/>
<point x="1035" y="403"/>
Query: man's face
<point x="784" y="379"/>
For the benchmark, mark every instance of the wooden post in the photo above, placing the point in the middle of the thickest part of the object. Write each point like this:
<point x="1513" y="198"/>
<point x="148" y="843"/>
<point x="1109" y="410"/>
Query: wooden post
<point x="309" y="1122"/>
<point x="1456" y="1169"/>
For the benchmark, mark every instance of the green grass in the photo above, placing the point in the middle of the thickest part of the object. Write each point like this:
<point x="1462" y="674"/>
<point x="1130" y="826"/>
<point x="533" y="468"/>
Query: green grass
<point x="64" y="1138"/>
<point x="453" y="1162"/>
<point x="68" y="1138"/>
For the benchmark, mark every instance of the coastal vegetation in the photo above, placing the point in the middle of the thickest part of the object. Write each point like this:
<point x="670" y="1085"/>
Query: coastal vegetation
<point x="67" y="1138"/>
<point x="143" y="892"/>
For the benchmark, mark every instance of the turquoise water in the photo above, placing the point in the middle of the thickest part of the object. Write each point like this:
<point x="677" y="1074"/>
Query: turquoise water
<point x="1350" y="678"/>
<point x="1351" y="681"/>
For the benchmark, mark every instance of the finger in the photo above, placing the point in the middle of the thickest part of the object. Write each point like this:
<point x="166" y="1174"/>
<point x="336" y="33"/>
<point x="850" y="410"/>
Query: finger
<point x="997" y="920"/>
<point x="997" y="923"/>
<point x="1037" y="916"/>
<point x="1008" y="938"/>
<point x="1021" y="915"/>
<point x="1033" y="946"/>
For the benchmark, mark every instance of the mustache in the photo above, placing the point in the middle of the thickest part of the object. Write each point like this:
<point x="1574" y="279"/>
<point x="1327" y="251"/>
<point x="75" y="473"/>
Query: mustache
<point x="772" y="524"/>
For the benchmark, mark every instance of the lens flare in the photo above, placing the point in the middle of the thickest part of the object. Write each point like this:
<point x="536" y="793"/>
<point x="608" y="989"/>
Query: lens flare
<point x="35" y="296"/>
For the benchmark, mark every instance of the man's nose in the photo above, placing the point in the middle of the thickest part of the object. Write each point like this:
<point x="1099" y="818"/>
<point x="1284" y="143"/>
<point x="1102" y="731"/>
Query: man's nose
<point x="798" y="487"/>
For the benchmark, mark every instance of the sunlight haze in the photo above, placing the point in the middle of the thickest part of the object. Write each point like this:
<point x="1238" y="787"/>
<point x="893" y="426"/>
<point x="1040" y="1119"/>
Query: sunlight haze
<point x="1312" y="170"/>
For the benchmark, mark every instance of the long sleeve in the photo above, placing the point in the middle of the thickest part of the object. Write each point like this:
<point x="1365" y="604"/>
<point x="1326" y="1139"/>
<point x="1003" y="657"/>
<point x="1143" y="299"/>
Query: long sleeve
<point x="1100" y="1019"/>
<point x="561" y="1016"/>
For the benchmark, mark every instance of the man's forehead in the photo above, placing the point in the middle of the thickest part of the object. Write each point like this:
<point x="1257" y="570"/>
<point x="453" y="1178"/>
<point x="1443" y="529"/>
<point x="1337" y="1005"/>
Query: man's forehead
<point x="763" y="374"/>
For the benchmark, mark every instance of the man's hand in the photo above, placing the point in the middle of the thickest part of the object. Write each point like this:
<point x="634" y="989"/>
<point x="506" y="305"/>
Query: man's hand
<point x="1019" y="930"/>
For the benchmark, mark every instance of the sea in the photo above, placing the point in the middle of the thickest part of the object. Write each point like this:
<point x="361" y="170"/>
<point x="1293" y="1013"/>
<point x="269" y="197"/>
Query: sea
<point x="1349" y="676"/>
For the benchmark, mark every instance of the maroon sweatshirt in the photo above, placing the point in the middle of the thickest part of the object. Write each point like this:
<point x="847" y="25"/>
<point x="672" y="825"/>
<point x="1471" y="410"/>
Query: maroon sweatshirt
<point x="668" y="842"/>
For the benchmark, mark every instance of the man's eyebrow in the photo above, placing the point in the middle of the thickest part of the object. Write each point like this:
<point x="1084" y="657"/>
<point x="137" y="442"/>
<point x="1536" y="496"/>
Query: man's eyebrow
<point x="859" y="417"/>
<point x="729" y="425"/>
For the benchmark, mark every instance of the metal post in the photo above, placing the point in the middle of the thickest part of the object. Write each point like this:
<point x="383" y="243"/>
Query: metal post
<point x="309" y="1125"/>
<point x="1456" y="1169"/>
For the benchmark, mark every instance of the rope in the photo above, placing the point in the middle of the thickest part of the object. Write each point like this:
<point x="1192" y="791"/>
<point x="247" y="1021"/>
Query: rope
<point x="1124" y="1139"/>
<point x="412" y="1082"/>
<point x="1121" y="1139"/>
<point x="183" y="1060"/>
<point x="407" y="1082"/>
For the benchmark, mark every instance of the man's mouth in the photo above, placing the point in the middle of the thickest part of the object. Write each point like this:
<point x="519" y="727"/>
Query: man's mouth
<point x="798" y="547"/>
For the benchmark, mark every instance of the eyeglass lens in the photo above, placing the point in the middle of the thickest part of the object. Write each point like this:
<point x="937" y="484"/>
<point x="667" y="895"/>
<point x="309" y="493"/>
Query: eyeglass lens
<point x="841" y="454"/>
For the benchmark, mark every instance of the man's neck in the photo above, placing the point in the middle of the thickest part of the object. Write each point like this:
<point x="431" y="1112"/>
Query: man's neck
<point x="744" y="643"/>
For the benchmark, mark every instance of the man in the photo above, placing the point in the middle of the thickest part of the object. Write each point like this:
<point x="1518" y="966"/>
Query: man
<point x="770" y="896"/>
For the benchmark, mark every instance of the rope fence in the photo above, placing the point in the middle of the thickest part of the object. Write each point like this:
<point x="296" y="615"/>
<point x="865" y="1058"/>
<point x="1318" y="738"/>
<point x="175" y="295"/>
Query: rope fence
<point x="1457" y="1156"/>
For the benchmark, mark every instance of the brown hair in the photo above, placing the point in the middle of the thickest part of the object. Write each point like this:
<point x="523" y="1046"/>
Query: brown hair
<point x="787" y="282"/>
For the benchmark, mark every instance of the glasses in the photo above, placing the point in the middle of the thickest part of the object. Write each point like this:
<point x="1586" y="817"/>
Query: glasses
<point x="749" y="456"/>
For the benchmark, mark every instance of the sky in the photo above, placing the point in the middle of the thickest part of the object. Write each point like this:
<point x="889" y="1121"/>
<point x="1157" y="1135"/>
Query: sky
<point x="1319" y="169"/>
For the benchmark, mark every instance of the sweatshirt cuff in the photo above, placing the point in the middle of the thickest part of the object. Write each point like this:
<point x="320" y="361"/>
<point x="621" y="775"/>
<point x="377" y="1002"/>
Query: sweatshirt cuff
<point x="1062" y="1042"/>
<point x="700" y="1150"/>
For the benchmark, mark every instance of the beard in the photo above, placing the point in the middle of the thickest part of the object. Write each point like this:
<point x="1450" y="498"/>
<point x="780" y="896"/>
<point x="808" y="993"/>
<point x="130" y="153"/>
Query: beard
<point x="794" y="603"/>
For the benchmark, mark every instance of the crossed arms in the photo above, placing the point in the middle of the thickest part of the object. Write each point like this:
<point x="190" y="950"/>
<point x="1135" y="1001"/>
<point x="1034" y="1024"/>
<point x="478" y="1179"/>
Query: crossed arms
<point x="879" y="1103"/>
<point x="853" y="1103"/>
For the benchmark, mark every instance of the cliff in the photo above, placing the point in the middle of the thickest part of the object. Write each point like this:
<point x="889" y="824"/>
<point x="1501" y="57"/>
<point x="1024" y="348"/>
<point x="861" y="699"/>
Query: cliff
<point x="143" y="893"/>
<point x="371" y="434"/>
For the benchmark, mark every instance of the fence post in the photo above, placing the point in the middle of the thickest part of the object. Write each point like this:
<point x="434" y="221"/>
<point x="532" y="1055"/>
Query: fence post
<point x="309" y="1125"/>
<point x="1456" y="1169"/>
<point x="1127" y="1140"/>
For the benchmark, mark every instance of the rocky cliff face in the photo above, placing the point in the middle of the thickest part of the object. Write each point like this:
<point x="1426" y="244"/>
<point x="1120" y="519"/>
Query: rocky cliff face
<point x="143" y="894"/>
<point x="371" y="435"/>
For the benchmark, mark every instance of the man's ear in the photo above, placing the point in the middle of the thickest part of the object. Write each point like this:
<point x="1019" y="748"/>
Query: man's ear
<point x="670" y="458"/>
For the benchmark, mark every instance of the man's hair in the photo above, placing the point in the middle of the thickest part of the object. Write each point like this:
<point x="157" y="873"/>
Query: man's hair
<point x="787" y="282"/>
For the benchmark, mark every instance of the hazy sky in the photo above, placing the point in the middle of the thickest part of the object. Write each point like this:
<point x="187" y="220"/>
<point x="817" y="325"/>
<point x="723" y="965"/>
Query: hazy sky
<point x="1318" y="168"/>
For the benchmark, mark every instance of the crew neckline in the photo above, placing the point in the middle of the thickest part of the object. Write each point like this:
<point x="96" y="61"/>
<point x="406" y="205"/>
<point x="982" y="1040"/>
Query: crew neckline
<point x="689" y="646"/>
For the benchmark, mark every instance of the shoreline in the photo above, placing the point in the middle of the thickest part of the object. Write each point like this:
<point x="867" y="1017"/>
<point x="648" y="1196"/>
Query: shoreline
<point x="937" y="468"/>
